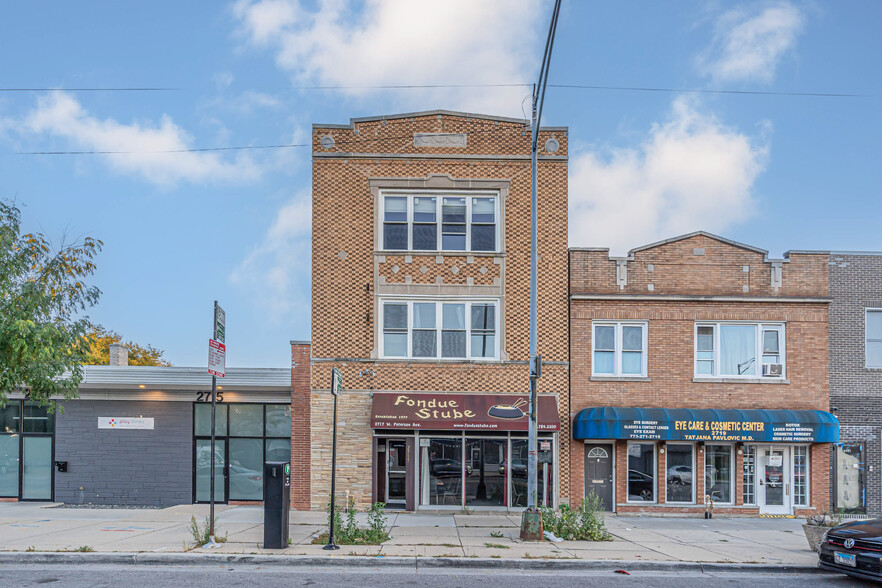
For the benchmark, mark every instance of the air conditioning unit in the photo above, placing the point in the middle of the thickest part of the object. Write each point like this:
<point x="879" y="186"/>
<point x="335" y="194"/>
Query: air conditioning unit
<point x="773" y="370"/>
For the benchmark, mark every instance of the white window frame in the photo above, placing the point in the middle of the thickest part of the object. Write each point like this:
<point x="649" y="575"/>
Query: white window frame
<point x="617" y="355"/>
<point x="760" y="328"/>
<point x="654" y="470"/>
<point x="439" y="196"/>
<point x="733" y="473"/>
<point x="439" y="302"/>
<point x="867" y="365"/>
<point x="808" y="475"/>
<point x="667" y="452"/>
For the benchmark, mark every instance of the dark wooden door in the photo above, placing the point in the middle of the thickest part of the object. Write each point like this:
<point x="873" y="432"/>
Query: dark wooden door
<point x="598" y="472"/>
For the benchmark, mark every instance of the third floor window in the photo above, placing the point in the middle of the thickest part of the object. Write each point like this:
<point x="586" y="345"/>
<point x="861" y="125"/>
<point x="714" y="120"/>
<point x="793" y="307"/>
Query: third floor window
<point x="440" y="222"/>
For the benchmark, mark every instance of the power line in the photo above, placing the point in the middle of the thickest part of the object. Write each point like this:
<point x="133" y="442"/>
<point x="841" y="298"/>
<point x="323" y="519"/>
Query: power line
<point x="699" y="91"/>
<point x="495" y="128"/>
<point x="91" y="89"/>
<point x="460" y="86"/>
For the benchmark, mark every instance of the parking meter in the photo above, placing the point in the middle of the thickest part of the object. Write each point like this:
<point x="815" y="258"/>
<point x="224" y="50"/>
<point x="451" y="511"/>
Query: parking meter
<point x="276" y="500"/>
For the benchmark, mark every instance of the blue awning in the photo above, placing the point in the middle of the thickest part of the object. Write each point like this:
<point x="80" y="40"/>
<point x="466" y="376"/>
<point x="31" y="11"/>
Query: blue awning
<point x="706" y="424"/>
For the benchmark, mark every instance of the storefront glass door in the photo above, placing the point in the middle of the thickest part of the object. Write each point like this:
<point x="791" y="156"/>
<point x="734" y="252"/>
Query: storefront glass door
<point x="485" y="472"/>
<point x="774" y="493"/>
<point x="36" y="471"/>
<point x="396" y="473"/>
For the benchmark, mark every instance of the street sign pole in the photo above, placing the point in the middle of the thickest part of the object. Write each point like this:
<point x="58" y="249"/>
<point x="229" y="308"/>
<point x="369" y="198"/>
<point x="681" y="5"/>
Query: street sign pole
<point x="218" y="334"/>
<point x="336" y="386"/>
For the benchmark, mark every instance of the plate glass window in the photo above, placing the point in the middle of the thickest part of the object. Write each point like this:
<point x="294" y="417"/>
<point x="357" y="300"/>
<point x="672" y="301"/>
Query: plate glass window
<point x="874" y="338"/>
<point x="749" y="474"/>
<point x="641" y="472"/>
<point x="679" y="473"/>
<point x="718" y="472"/>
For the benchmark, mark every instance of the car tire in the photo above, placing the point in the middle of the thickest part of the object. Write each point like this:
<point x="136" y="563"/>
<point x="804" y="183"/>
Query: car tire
<point x="646" y="495"/>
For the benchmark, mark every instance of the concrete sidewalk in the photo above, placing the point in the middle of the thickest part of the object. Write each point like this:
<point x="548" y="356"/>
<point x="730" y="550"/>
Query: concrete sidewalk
<point x="776" y="542"/>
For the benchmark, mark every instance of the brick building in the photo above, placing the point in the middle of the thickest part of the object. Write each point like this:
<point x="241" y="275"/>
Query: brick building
<point x="856" y="379"/>
<point x="420" y="296"/>
<point x="699" y="368"/>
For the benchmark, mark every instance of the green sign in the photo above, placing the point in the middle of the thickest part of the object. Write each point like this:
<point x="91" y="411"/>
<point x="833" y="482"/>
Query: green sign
<point x="336" y="382"/>
<point x="220" y="322"/>
<point x="287" y="468"/>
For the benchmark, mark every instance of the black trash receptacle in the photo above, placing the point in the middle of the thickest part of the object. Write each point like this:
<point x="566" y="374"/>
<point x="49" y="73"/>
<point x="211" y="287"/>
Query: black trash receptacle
<point x="276" y="500"/>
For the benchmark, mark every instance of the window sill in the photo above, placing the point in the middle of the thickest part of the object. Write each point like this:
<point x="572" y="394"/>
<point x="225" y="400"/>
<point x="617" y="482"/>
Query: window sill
<point x="427" y="252"/>
<point x="740" y="381"/>
<point x="619" y="379"/>
<point x="424" y="360"/>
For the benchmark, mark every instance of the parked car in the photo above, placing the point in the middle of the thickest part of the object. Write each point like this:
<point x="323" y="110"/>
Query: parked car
<point x="853" y="548"/>
<point x="446" y="468"/>
<point x="640" y="486"/>
<point x="680" y="475"/>
<point x="518" y="467"/>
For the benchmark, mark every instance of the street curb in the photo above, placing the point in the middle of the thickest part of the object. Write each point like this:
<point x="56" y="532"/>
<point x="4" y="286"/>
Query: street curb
<point x="189" y="559"/>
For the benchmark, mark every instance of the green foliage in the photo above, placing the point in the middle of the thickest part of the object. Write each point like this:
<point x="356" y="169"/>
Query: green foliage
<point x="200" y="532"/>
<point x="582" y="524"/>
<point x="347" y="531"/>
<point x="43" y="341"/>
<point x="84" y="549"/>
<point x="99" y="349"/>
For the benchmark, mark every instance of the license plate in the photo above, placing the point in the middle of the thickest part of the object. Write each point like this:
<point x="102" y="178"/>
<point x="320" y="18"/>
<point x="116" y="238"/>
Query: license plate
<point x="844" y="559"/>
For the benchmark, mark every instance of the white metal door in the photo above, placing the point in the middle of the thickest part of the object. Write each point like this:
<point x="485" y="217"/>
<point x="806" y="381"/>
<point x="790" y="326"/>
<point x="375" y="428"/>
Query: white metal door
<point x="774" y="480"/>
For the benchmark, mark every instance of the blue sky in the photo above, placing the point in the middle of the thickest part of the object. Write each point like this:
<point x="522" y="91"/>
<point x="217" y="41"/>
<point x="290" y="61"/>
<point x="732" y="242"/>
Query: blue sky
<point x="183" y="229"/>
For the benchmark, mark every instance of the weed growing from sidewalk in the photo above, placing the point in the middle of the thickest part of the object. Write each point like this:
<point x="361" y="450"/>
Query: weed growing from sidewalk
<point x="496" y="534"/>
<point x="84" y="549"/>
<point x="496" y="546"/>
<point x="31" y="548"/>
<point x="200" y="532"/>
<point x="583" y="524"/>
<point x="349" y="533"/>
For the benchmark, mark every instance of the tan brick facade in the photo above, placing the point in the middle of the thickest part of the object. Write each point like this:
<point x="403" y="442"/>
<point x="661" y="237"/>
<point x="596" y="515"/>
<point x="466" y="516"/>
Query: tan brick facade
<point x="350" y="273"/>
<point x="670" y="286"/>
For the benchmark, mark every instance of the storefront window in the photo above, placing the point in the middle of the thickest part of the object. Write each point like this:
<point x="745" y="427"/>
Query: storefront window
<point x="679" y="473"/>
<point x="37" y="419"/>
<point x="800" y="475"/>
<point x="442" y="472"/>
<point x="246" y="436"/>
<point x="718" y="472"/>
<point x="485" y="474"/>
<point x="544" y="473"/>
<point x="849" y="477"/>
<point x="9" y="465"/>
<point x="749" y="475"/>
<point x="641" y="472"/>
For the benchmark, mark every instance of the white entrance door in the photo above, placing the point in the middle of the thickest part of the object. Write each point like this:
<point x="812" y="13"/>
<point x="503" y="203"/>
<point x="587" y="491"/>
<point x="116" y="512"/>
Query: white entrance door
<point x="774" y="484"/>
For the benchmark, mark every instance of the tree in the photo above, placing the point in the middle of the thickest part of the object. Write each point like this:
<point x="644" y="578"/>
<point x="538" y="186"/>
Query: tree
<point x="99" y="349"/>
<point x="43" y="338"/>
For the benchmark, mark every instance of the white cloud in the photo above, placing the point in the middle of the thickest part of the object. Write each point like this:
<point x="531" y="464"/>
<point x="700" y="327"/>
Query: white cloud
<point x="61" y="116"/>
<point x="278" y="269"/>
<point x="690" y="173"/>
<point x="389" y="42"/>
<point x="748" y="45"/>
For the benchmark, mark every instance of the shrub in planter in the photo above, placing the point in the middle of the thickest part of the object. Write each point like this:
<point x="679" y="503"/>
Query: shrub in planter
<point x="816" y="526"/>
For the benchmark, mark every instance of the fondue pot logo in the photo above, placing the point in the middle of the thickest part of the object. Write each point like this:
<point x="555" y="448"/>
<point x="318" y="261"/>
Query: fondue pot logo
<point x="508" y="411"/>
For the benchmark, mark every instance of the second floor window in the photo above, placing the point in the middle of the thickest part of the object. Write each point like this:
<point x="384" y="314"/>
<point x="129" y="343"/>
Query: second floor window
<point x="437" y="222"/>
<point x="739" y="350"/>
<point x="433" y="329"/>
<point x="619" y="349"/>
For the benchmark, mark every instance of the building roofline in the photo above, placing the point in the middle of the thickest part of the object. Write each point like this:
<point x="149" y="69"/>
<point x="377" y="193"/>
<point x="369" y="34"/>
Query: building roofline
<point x="695" y="234"/>
<point x="438" y="112"/>
<point x="825" y="252"/>
<point x="183" y="378"/>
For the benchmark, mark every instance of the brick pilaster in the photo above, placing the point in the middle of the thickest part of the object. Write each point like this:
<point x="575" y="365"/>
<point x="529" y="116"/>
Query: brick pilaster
<point x="301" y="419"/>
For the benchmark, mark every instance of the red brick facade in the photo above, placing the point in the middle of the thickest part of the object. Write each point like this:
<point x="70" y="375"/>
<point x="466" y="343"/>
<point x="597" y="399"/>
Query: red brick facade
<point x="670" y="286"/>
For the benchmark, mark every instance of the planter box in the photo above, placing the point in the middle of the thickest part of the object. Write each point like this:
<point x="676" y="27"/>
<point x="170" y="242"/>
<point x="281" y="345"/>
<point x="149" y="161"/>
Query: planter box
<point x="814" y="534"/>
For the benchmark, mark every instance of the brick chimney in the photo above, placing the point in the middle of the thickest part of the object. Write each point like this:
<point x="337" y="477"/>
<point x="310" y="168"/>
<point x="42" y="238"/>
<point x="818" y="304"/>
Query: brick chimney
<point x="301" y="431"/>
<point x="119" y="354"/>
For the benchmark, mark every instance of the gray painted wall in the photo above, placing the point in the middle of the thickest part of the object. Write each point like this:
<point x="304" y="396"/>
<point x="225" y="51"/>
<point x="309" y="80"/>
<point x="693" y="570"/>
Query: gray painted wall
<point x="119" y="466"/>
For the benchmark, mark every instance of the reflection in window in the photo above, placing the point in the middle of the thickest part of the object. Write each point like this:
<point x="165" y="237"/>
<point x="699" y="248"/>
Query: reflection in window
<point x="442" y="472"/>
<point x="395" y="330"/>
<point x="800" y="475"/>
<point x="749" y="474"/>
<point x="395" y="222"/>
<point x="641" y="472"/>
<point x="453" y="334"/>
<point x="718" y="472"/>
<point x="485" y="474"/>
<point x="679" y="475"/>
<point x="619" y="349"/>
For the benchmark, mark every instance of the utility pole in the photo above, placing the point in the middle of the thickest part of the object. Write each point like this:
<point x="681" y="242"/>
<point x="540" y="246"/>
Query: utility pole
<point x="531" y="522"/>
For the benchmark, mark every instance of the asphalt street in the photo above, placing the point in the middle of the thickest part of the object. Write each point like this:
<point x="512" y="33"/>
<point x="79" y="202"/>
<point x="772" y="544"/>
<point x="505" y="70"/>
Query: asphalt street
<point x="213" y="576"/>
